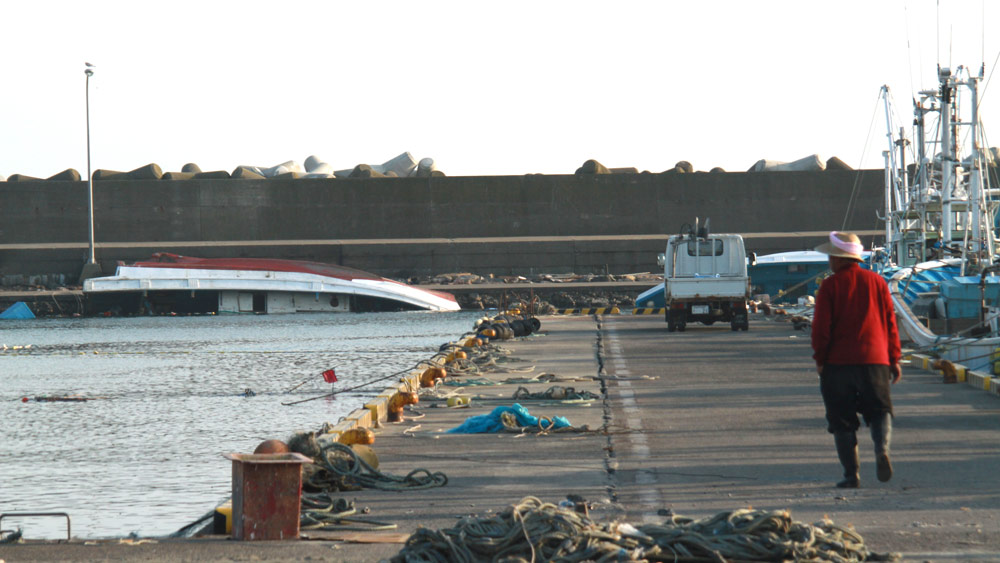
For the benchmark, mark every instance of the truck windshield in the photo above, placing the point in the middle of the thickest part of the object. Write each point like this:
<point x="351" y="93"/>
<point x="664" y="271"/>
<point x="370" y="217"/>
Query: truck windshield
<point x="705" y="247"/>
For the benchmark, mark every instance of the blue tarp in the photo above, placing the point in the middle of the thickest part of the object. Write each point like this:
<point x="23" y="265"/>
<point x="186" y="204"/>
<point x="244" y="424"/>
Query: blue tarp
<point x="489" y="423"/>
<point x="18" y="310"/>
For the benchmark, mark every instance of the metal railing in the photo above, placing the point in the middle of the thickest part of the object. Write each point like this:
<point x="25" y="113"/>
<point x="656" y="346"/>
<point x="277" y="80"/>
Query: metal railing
<point x="30" y="514"/>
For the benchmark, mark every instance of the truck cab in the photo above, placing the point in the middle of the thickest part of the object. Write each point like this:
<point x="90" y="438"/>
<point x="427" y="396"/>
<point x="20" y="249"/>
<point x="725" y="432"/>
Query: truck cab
<point x="705" y="280"/>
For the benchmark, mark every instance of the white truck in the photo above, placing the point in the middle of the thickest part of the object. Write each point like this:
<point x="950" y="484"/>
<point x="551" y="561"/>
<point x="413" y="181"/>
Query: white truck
<point x="705" y="280"/>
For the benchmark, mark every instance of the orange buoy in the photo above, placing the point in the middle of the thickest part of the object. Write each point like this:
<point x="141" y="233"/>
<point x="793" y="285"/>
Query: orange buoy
<point x="460" y="355"/>
<point x="363" y="436"/>
<point x="271" y="447"/>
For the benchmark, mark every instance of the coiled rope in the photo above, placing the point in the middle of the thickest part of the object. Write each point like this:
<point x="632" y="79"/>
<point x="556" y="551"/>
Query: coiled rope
<point x="324" y="512"/>
<point x="339" y="468"/>
<point x="533" y="530"/>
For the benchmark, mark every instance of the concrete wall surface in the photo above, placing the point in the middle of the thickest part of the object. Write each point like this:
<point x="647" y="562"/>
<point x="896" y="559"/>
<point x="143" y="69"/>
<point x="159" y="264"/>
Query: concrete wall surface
<point x="404" y="227"/>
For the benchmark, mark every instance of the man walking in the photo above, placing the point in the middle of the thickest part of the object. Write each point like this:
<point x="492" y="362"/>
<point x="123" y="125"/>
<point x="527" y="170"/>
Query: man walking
<point x="856" y="348"/>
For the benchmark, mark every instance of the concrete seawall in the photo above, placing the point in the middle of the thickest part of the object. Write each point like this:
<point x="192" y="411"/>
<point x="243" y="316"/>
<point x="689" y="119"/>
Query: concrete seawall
<point x="403" y="227"/>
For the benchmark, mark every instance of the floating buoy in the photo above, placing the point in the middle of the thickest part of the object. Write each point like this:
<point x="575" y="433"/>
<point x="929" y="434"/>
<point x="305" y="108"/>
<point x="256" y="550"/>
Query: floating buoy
<point x="363" y="436"/>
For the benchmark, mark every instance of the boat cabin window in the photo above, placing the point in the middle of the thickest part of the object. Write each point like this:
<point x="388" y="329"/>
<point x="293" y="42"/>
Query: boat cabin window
<point x="705" y="247"/>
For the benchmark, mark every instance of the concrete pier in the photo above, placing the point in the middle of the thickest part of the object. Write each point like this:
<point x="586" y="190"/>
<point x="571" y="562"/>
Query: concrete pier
<point x="698" y="422"/>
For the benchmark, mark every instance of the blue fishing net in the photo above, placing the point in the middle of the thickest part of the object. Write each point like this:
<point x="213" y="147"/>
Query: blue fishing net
<point x="488" y="423"/>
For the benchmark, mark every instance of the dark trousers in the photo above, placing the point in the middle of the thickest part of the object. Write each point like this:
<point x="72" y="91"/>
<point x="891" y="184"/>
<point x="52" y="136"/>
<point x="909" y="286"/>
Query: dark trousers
<point x="851" y="389"/>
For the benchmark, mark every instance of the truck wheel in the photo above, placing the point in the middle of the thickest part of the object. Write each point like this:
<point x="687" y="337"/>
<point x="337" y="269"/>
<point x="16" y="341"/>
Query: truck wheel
<point x="681" y="326"/>
<point x="734" y="325"/>
<point x="671" y="326"/>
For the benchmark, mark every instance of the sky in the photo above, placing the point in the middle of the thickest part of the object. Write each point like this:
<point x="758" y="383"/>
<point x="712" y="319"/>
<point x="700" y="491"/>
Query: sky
<point x="483" y="88"/>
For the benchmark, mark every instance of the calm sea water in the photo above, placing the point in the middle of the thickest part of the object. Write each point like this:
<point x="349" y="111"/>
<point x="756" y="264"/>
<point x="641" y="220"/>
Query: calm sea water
<point x="145" y="455"/>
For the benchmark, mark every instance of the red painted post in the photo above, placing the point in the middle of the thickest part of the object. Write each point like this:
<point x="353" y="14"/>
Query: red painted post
<point x="267" y="494"/>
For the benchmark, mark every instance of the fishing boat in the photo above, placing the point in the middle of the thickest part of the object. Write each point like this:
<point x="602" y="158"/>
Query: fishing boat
<point x="170" y="283"/>
<point x="940" y="223"/>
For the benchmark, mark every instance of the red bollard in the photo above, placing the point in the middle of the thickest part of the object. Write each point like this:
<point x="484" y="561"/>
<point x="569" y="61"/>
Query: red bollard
<point x="267" y="495"/>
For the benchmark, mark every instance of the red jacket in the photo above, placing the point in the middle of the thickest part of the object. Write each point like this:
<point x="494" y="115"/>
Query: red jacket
<point x="854" y="321"/>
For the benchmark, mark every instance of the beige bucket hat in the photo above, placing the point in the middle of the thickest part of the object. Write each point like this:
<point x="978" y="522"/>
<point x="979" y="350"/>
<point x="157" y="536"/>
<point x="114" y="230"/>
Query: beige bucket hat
<point x="843" y="245"/>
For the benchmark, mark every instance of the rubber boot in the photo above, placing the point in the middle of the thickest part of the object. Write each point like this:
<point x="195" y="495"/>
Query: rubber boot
<point x="881" y="429"/>
<point x="847" y="451"/>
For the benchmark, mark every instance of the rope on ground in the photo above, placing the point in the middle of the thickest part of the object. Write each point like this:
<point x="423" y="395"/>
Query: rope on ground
<point x="547" y="378"/>
<point x="339" y="468"/>
<point x="485" y="359"/>
<point x="555" y="393"/>
<point x="468" y="382"/>
<point x="533" y="530"/>
<point x="321" y="511"/>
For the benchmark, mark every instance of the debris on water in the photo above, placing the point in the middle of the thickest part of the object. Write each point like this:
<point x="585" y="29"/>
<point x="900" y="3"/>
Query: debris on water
<point x="248" y="392"/>
<point x="57" y="399"/>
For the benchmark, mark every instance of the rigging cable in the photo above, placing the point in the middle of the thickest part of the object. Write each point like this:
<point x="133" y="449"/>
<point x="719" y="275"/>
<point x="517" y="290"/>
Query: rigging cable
<point x="857" y="177"/>
<point x="988" y="78"/>
<point x="909" y="48"/>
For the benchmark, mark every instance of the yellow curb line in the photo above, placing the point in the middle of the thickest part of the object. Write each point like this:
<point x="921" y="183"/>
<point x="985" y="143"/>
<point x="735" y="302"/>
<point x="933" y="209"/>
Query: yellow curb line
<point x="589" y="311"/>
<point x="976" y="379"/>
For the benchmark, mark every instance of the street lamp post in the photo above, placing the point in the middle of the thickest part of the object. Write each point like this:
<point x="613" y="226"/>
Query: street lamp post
<point x="90" y="268"/>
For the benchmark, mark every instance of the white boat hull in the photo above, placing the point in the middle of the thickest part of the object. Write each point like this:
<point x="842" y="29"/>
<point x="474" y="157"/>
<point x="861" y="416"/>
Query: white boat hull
<point x="286" y="291"/>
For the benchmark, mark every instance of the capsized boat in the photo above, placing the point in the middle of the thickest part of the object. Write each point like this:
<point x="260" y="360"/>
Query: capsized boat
<point x="170" y="283"/>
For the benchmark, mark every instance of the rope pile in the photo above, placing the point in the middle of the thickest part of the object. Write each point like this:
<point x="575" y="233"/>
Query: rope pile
<point x="536" y="531"/>
<point x="338" y="468"/>
<point x="485" y="359"/>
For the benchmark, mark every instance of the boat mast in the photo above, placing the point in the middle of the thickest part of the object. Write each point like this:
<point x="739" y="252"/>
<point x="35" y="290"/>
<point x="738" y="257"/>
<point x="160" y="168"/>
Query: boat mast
<point x="947" y="156"/>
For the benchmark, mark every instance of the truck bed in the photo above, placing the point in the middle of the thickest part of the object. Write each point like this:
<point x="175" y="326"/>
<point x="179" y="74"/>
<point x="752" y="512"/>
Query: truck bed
<point x="706" y="288"/>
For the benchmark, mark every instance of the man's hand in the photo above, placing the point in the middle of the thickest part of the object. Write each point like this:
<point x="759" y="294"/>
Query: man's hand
<point x="897" y="372"/>
<point x="819" y="369"/>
